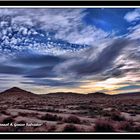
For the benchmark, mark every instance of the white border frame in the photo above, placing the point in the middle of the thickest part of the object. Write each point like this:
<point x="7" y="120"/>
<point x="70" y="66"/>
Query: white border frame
<point x="39" y="7"/>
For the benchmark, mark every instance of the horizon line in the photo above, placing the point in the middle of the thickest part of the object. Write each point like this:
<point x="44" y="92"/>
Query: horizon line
<point x="69" y="92"/>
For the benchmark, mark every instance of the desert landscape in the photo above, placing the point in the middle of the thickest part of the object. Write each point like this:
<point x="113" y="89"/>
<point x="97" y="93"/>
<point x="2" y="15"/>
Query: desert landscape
<point x="69" y="112"/>
<point x="70" y="69"/>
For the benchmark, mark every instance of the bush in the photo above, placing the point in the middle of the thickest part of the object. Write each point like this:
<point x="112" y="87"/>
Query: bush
<point x="127" y="126"/>
<point x="136" y="129"/>
<point x="52" y="110"/>
<point x="51" y="128"/>
<point x="70" y="128"/>
<point x="8" y="120"/>
<point x="73" y="119"/>
<point x="103" y="126"/>
<point x="4" y="112"/>
<point x="51" y="117"/>
<point x="116" y="116"/>
<point x="23" y="114"/>
<point x="106" y="113"/>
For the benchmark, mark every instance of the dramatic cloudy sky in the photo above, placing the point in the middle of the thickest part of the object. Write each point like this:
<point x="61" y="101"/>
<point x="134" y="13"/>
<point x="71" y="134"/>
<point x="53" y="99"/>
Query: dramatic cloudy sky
<point x="78" y="50"/>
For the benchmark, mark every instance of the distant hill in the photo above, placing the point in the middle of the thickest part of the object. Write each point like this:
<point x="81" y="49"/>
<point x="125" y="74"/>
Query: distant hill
<point x="67" y="94"/>
<point x="128" y="94"/>
<point x="16" y="92"/>
<point x="98" y="94"/>
<point x="64" y="93"/>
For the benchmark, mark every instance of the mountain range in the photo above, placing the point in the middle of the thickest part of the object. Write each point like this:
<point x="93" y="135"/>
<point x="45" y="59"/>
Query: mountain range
<point x="15" y="91"/>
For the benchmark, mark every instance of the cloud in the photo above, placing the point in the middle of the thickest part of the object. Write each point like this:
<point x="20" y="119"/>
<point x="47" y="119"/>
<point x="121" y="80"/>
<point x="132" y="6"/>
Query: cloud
<point x="5" y="69"/>
<point x="65" y="24"/>
<point x="41" y="72"/>
<point x="18" y="36"/>
<point x="92" y="65"/>
<point x="130" y="87"/>
<point x="134" y="32"/>
<point x="114" y="60"/>
<point x="32" y="65"/>
<point x="89" y="35"/>
<point x="133" y="29"/>
<point x="133" y="15"/>
<point x="39" y="60"/>
<point x="39" y="45"/>
<point x="53" y="83"/>
<point x="38" y="66"/>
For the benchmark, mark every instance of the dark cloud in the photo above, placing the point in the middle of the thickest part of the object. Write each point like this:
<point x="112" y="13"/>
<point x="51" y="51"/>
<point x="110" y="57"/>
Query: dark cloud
<point x="41" y="72"/>
<point x="32" y="65"/>
<point x="53" y="83"/>
<point x="104" y="60"/>
<point x="95" y="65"/>
<point x="35" y="68"/>
<point x="5" y="69"/>
<point x="38" y="59"/>
<point x="111" y="73"/>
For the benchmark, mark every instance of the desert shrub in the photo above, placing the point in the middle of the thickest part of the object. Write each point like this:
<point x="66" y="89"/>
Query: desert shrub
<point x="86" y="122"/>
<point x="4" y="112"/>
<point x="127" y="126"/>
<point x="51" y="117"/>
<point x="84" y="107"/>
<point x="51" y="128"/>
<point x="52" y="110"/>
<point x="103" y="126"/>
<point x="23" y="114"/>
<point x="60" y="122"/>
<point x="125" y="109"/>
<point x="106" y="113"/>
<point x="136" y="128"/>
<point x="8" y="120"/>
<point x="133" y="113"/>
<point x="70" y="128"/>
<point x="116" y="116"/>
<point x="72" y="119"/>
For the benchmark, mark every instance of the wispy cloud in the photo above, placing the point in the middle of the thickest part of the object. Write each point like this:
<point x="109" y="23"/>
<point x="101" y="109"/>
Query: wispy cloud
<point x="133" y="15"/>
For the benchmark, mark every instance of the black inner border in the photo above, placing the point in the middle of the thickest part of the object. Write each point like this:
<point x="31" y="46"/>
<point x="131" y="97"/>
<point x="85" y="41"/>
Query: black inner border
<point x="69" y="3"/>
<point x="61" y="135"/>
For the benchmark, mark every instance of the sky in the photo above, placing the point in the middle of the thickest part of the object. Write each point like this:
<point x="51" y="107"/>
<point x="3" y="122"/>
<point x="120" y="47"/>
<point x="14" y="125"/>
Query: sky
<point x="81" y="50"/>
